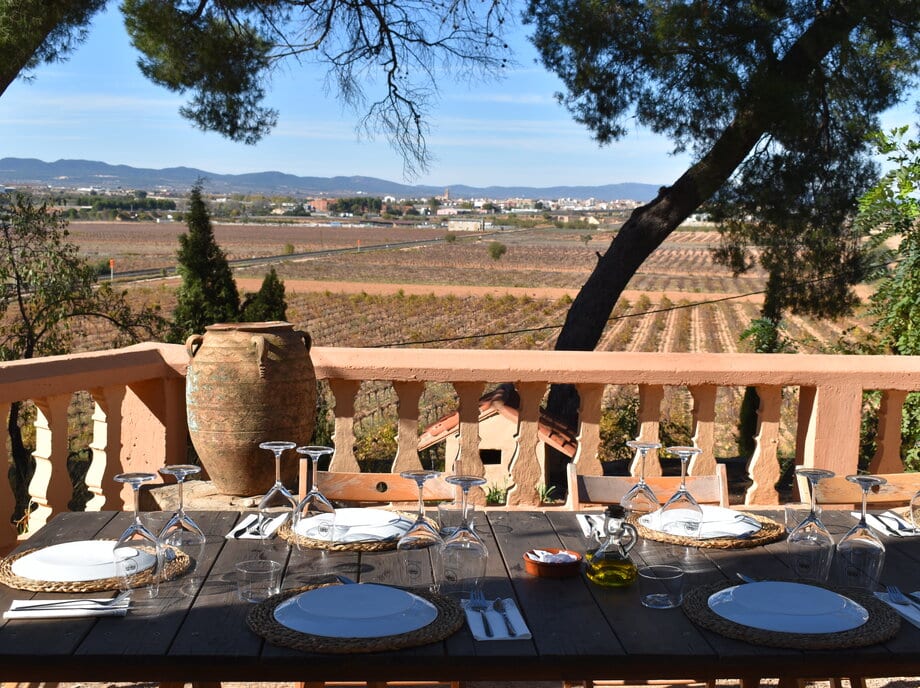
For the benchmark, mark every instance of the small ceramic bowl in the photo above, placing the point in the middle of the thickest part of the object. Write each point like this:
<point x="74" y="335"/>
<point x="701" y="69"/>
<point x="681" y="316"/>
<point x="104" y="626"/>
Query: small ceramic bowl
<point x="546" y="569"/>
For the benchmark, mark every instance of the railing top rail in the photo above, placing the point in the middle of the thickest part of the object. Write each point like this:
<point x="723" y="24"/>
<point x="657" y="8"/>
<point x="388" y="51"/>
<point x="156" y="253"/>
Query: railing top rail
<point x="51" y="375"/>
<point x="469" y="365"/>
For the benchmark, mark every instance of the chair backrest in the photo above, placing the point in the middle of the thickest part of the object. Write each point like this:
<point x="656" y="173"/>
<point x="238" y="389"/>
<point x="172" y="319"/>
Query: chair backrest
<point x="840" y="492"/>
<point x="375" y="488"/>
<point x="586" y="490"/>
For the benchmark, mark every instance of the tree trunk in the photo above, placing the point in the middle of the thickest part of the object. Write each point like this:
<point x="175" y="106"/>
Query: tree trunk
<point x="23" y="463"/>
<point x="651" y="224"/>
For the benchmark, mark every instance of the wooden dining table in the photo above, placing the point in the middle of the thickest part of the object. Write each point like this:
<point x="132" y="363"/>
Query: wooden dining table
<point x="196" y="632"/>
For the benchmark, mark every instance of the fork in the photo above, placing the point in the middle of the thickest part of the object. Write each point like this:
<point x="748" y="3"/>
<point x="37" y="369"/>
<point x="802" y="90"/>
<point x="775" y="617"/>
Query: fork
<point x="85" y="603"/>
<point x="898" y="597"/>
<point x="478" y="604"/>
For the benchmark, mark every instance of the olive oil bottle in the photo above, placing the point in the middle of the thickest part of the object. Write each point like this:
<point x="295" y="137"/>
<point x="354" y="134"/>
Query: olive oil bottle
<point x="609" y="565"/>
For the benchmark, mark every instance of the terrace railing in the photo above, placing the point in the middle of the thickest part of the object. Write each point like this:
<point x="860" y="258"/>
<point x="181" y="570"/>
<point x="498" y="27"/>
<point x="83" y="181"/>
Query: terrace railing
<point x="139" y="421"/>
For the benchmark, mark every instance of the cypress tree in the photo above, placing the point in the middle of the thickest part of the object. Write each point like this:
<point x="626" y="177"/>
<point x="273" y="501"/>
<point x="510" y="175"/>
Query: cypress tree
<point x="266" y="304"/>
<point x="208" y="293"/>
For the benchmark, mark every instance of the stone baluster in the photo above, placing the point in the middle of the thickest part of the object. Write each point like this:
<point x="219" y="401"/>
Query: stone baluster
<point x="408" y="395"/>
<point x="470" y="463"/>
<point x="586" y="459"/>
<point x="50" y="487"/>
<point x="527" y="471"/>
<point x="105" y="447"/>
<point x="764" y="465"/>
<point x="704" y="420"/>
<point x="887" y="457"/>
<point x="650" y="398"/>
<point x="345" y="393"/>
<point x="832" y="435"/>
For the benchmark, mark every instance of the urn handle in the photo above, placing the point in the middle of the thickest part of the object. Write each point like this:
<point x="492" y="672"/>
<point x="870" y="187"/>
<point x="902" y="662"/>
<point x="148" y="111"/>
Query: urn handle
<point x="307" y="339"/>
<point x="258" y="341"/>
<point x="192" y="344"/>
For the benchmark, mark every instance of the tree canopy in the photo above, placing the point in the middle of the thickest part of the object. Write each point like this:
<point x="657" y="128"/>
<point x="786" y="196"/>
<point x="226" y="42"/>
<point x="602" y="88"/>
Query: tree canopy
<point x="773" y="98"/>
<point x="384" y="58"/>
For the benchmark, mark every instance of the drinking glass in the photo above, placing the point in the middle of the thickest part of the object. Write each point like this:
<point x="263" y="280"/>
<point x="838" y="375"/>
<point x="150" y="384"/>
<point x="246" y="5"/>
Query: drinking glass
<point x="810" y="545"/>
<point x="913" y="513"/>
<point x="314" y="504"/>
<point x="860" y="553"/>
<point x="137" y="537"/>
<point x="422" y="540"/>
<point x="180" y="530"/>
<point x="681" y="514"/>
<point x="278" y="499"/>
<point x="641" y="498"/>
<point x="464" y="555"/>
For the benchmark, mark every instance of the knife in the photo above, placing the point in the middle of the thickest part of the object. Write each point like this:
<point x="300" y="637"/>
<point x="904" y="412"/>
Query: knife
<point x="902" y="525"/>
<point x="243" y="526"/>
<point x="882" y="526"/>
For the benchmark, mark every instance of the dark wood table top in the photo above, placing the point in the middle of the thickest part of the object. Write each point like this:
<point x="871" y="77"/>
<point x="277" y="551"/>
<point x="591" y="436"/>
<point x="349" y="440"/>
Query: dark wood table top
<point x="579" y="630"/>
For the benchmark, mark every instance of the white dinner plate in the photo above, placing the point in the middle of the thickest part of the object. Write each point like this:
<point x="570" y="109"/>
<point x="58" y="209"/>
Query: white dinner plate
<point x="84" y="560"/>
<point x="718" y="522"/>
<point x="362" y="610"/>
<point x="788" y="607"/>
<point x="355" y="525"/>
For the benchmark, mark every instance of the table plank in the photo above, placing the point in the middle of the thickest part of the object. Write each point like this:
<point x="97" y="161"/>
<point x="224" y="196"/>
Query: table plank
<point x="580" y="630"/>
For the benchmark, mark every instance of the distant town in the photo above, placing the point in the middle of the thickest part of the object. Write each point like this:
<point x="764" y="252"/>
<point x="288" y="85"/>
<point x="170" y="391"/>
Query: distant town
<point x="457" y="214"/>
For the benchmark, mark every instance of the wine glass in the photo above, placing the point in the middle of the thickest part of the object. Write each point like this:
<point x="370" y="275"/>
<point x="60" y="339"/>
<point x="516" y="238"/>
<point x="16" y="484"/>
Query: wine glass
<point x="422" y="539"/>
<point x="180" y="530"/>
<point x="860" y="553"/>
<point x="810" y="545"/>
<point x="314" y="504"/>
<point x="682" y="514"/>
<point x="137" y="539"/>
<point x="464" y="555"/>
<point x="641" y="498"/>
<point x="278" y="499"/>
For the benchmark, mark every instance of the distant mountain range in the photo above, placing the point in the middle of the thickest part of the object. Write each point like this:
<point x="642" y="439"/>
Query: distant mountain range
<point x="100" y="175"/>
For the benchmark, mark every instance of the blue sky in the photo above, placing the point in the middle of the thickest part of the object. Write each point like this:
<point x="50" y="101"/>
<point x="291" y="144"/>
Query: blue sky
<point x="97" y="106"/>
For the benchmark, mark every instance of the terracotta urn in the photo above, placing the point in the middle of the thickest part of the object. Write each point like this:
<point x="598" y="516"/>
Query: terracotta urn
<point x="249" y="383"/>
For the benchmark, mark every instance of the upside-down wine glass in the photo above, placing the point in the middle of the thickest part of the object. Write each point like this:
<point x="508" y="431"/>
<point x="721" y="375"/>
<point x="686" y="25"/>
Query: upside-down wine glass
<point x="314" y="505"/>
<point x="860" y="553"/>
<point x="278" y="500"/>
<point x="810" y="545"/>
<point x="682" y="514"/>
<point x="180" y="531"/>
<point x="420" y="545"/>
<point x="913" y="513"/>
<point x="136" y="540"/>
<point x="641" y="498"/>
<point x="464" y="555"/>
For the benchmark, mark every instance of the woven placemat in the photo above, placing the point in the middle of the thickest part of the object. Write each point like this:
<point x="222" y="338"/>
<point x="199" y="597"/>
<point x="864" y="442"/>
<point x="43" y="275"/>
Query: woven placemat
<point x="883" y="623"/>
<point x="261" y="620"/>
<point x="178" y="562"/>
<point x="286" y="532"/>
<point x="770" y="531"/>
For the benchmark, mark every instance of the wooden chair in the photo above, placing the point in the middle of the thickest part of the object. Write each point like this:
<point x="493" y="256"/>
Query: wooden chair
<point x="359" y="489"/>
<point x="841" y="493"/>
<point x="587" y="490"/>
<point x="369" y="489"/>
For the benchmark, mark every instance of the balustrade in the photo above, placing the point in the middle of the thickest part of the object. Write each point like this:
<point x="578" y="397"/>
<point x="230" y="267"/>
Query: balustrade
<point x="139" y="416"/>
